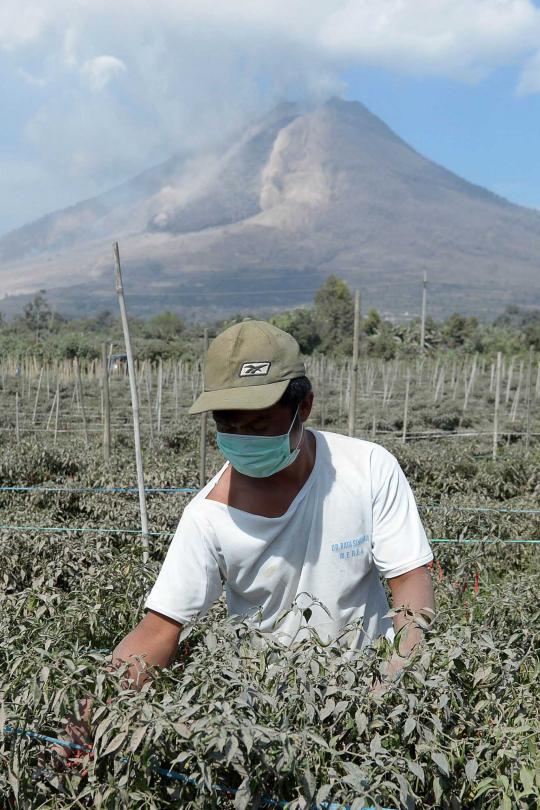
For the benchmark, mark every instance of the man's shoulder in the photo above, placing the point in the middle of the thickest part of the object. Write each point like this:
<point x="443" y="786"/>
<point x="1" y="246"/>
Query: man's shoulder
<point x="355" y="447"/>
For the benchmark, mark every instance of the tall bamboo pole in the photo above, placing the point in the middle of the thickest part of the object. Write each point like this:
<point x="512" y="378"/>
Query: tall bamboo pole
<point x="134" y="401"/>
<point x="17" y="432"/>
<point x="322" y="393"/>
<point x="423" y="319"/>
<point x="37" y="396"/>
<point x="78" y="383"/>
<point x="497" y="403"/>
<point x="406" y="407"/>
<point x="354" y="368"/>
<point x="106" y="403"/>
<point x="528" y="403"/>
<point x="204" y="426"/>
<point x="159" y="394"/>
<point x="57" y="410"/>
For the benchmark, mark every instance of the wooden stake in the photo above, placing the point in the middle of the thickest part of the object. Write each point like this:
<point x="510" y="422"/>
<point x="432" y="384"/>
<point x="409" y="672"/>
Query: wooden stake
<point x="149" y="401"/>
<point x="57" y="410"/>
<point x="134" y="402"/>
<point x="106" y="402"/>
<point x="37" y="396"/>
<point x="528" y="401"/>
<point x="159" y="394"/>
<point x="204" y="424"/>
<point x="78" y="383"/>
<point x="17" y="434"/>
<point x="322" y="393"/>
<point x="423" y="318"/>
<point x="497" y="402"/>
<point x="509" y="381"/>
<point x="354" y="368"/>
<point x="51" y="412"/>
<point x="470" y="384"/>
<point x="406" y="407"/>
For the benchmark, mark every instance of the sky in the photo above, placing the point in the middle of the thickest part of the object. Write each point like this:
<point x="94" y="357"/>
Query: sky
<point x="94" y="91"/>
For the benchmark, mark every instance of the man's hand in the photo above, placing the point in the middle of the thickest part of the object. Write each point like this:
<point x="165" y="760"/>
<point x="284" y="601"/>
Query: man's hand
<point x="414" y="592"/>
<point x="152" y="643"/>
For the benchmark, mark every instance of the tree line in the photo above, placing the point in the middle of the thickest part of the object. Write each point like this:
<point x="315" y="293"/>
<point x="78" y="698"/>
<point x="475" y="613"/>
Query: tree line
<point x="324" y="327"/>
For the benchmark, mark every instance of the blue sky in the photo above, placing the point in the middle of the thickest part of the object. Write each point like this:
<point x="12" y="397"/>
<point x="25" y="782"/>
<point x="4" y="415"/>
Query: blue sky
<point x="485" y="132"/>
<point x="93" y="93"/>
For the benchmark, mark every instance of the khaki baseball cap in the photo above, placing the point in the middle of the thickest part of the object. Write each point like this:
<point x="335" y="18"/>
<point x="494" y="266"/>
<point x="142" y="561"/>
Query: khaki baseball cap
<point x="248" y="367"/>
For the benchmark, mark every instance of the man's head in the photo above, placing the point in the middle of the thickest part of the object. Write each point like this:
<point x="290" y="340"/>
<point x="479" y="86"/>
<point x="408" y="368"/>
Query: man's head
<point x="256" y="387"/>
<point x="295" y="403"/>
<point x="251" y="366"/>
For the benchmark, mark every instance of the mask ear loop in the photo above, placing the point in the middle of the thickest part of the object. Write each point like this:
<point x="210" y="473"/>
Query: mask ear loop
<point x="291" y="427"/>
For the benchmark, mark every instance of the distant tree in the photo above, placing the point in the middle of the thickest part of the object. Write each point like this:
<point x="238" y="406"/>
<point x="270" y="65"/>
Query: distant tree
<point x="527" y="321"/>
<point x="301" y="325"/>
<point x="165" y="325"/>
<point x="333" y="314"/>
<point x="372" y="322"/>
<point x="459" y="330"/>
<point x="37" y="314"/>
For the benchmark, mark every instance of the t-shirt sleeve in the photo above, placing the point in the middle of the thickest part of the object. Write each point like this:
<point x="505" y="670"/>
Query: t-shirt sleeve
<point x="189" y="580"/>
<point x="399" y="541"/>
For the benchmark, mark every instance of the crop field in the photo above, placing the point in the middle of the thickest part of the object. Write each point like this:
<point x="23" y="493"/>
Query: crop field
<point x="239" y="721"/>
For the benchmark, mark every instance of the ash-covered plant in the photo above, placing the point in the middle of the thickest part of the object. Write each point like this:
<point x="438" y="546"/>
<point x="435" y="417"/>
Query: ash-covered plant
<point x="242" y="711"/>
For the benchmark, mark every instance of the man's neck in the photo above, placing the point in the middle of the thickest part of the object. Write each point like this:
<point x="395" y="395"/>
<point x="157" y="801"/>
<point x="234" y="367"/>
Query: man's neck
<point x="272" y="496"/>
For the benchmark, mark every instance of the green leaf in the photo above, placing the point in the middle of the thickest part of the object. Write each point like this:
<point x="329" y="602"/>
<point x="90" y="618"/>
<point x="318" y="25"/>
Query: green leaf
<point x="242" y="799"/>
<point x="506" y="802"/>
<point x="323" y="793"/>
<point x="410" y="725"/>
<point x="470" y="770"/>
<point x="416" y="769"/>
<point x="441" y="762"/>
<point x="137" y="737"/>
<point x="115" y="744"/>
<point x="527" y="780"/>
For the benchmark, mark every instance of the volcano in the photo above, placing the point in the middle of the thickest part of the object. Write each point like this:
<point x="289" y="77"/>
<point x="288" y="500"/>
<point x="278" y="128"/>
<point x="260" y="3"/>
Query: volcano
<point x="259" y="224"/>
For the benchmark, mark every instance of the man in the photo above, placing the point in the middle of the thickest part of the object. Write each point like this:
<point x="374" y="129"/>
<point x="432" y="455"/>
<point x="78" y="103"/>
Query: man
<point x="294" y="513"/>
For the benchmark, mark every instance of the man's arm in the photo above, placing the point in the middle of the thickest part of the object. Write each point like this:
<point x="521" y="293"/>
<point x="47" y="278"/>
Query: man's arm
<point x="153" y="642"/>
<point x="414" y="591"/>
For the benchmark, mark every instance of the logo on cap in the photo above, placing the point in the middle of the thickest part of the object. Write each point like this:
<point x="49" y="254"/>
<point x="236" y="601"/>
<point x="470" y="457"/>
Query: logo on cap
<point x="255" y="369"/>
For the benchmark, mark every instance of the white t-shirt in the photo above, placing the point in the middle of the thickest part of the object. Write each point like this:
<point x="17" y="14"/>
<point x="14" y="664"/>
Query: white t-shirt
<point x="354" y="519"/>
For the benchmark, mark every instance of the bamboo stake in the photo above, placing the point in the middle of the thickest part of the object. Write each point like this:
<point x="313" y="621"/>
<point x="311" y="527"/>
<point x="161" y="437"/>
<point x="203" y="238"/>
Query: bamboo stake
<point x="134" y="402"/>
<point x="175" y="389"/>
<point x="423" y="319"/>
<point x="469" y="385"/>
<point x="17" y="433"/>
<point x="323" y="391"/>
<point x="406" y="407"/>
<point x="37" y="396"/>
<point x="57" y="410"/>
<point x="51" y="412"/>
<point x="204" y="424"/>
<point x="509" y="381"/>
<point x="159" y="394"/>
<point x="78" y="383"/>
<point x="497" y="401"/>
<point x="106" y="403"/>
<point x="528" y="402"/>
<point x="149" y="401"/>
<point x="354" y="368"/>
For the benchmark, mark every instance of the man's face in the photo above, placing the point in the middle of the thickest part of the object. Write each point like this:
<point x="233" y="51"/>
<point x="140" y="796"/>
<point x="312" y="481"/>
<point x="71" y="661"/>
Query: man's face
<point x="274" y="421"/>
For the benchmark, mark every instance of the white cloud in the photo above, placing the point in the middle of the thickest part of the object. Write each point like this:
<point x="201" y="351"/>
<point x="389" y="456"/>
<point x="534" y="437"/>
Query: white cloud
<point x="529" y="81"/>
<point x="99" y="71"/>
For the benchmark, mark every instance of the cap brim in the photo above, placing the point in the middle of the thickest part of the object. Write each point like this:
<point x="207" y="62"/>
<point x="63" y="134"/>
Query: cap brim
<point x="245" y="398"/>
